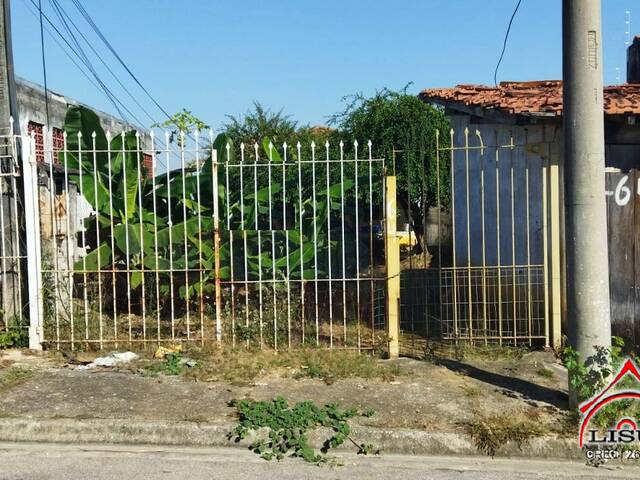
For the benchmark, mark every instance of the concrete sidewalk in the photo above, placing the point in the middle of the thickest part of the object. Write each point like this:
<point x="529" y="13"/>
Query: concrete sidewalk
<point x="422" y="411"/>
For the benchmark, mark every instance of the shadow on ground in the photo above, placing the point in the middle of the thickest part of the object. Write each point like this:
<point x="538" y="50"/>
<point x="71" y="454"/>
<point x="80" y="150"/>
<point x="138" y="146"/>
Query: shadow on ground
<point x="525" y="389"/>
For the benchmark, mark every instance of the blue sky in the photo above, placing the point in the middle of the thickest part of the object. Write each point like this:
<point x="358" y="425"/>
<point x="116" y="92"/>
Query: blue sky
<point x="215" y="57"/>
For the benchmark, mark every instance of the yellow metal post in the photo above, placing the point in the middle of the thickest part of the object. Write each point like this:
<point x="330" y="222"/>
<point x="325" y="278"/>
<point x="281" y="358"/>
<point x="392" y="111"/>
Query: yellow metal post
<point x="392" y="256"/>
<point x="554" y="213"/>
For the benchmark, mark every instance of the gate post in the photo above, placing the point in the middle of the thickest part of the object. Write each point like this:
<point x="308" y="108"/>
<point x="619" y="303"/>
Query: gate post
<point x="216" y="247"/>
<point x="32" y="232"/>
<point x="556" y="255"/>
<point x="392" y="258"/>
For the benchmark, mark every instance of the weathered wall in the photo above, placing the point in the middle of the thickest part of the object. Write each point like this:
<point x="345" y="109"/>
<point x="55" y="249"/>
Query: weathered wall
<point x="31" y="108"/>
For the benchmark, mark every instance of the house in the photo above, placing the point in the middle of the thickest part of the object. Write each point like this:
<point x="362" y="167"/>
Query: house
<point x="527" y="118"/>
<point x="62" y="208"/>
<point x="32" y="114"/>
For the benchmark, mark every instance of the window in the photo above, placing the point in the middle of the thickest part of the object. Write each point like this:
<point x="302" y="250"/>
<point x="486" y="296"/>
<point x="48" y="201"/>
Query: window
<point x="35" y="129"/>
<point x="147" y="162"/>
<point x="57" y="141"/>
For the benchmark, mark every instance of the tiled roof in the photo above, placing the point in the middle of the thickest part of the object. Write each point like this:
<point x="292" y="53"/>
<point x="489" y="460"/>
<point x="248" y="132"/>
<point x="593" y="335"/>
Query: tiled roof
<point x="530" y="98"/>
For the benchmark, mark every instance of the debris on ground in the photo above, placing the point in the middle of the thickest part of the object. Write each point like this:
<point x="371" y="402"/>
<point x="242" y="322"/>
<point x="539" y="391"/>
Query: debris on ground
<point x="161" y="351"/>
<point x="111" y="360"/>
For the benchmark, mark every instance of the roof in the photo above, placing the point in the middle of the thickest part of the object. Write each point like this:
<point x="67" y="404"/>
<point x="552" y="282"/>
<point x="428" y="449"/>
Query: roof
<point x="530" y="98"/>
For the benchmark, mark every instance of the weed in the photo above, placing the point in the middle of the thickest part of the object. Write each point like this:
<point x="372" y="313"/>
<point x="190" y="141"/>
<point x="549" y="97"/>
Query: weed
<point x="330" y="366"/>
<point x="471" y="391"/>
<point x="16" y="336"/>
<point x="172" y="364"/>
<point x="545" y="372"/>
<point x="288" y="428"/>
<point x="591" y="376"/>
<point x="491" y="433"/>
<point x="14" y="376"/>
<point x="465" y="350"/>
<point x="369" y="412"/>
<point x="242" y="366"/>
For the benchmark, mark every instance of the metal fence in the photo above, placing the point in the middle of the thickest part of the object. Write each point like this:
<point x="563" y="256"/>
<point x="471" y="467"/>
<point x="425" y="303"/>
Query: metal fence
<point x="192" y="238"/>
<point x="132" y="239"/>
<point x="12" y="250"/>
<point x="489" y="283"/>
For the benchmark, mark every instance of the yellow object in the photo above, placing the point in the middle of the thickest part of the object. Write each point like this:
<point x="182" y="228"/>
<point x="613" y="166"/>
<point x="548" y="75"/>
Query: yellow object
<point x="555" y="202"/>
<point x="393" y="269"/>
<point x="406" y="239"/>
<point x="162" y="351"/>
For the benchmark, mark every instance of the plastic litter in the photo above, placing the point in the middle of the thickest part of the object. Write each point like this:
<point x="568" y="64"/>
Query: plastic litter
<point x="111" y="360"/>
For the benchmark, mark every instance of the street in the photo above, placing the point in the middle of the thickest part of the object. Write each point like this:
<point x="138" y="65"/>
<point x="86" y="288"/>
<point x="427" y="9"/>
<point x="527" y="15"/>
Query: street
<point x="82" y="462"/>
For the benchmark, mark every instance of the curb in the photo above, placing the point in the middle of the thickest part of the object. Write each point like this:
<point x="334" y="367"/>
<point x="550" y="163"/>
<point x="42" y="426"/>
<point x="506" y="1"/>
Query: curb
<point x="392" y="440"/>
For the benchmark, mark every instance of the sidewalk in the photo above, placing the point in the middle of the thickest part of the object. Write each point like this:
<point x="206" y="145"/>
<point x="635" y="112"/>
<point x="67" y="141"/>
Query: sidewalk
<point x="444" y="407"/>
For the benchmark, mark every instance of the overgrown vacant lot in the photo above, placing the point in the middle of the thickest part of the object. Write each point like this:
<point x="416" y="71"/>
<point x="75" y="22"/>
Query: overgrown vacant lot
<point x="472" y="390"/>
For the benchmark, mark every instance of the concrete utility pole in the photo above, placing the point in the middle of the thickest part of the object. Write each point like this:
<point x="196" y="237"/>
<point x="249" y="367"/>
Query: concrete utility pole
<point x="585" y="203"/>
<point x="7" y="78"/>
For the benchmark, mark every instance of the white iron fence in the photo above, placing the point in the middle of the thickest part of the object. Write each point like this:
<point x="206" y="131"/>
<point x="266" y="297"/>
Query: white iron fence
<point x="11" y="238"/>
<point x="129" y="239"/>
<point x="193" y="238"/>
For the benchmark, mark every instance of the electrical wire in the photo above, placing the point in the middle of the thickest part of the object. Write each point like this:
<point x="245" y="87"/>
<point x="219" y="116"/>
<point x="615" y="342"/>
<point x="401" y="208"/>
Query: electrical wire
<point x="83" y="57"/>
<point x="504" y="43"/>
<point x="98" y="32"/>
<point x="68" y="45"/>
<point x="104" y="63"/>
<point x="44" y="64"/>
<point x="66" y="49"/>
<point x="102" y="37"/>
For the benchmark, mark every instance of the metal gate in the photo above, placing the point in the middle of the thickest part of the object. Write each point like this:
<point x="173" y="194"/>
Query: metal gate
<point x="488" y="278"/>
<point x="191" y="238"/>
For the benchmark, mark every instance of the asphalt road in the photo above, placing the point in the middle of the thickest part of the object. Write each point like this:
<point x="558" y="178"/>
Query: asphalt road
<point x="84" y="462"/>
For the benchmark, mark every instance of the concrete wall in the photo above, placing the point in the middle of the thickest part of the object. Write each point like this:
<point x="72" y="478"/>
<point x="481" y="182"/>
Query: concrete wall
<point x="31" y="108"/>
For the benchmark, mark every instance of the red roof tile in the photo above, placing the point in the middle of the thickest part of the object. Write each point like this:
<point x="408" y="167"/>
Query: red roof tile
<point x="537" y="97"/>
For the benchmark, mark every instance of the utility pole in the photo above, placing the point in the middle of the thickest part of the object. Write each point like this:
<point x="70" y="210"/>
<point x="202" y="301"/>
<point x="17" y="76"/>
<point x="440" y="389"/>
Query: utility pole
<point x="587" y="256"/>
<point x="7" y="77"/>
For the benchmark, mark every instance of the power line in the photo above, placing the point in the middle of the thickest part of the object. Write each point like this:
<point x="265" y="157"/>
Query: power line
<point x="102" y="37"/>
<point x="504" y="43"/>
<point x="55" y="39"/>
<point x="97" y="30"/>
<point x="83" y="57"/>
<point x="78" y="66"/>
<point x="113" y="74"/>
<point x="61" y="13"/>
<point x="44" y="64"/>
<point x="62" y="47"/>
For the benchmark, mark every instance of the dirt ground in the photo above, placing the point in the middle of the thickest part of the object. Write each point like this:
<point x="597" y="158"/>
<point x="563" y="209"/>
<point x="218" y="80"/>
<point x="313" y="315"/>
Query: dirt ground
<point x="443" y="393"/>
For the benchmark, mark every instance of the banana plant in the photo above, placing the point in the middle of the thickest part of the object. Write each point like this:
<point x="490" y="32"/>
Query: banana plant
<point x="142" y="222"/>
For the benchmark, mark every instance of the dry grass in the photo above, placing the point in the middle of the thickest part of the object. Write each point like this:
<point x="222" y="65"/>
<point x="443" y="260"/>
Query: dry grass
<point x="243" y="366"/>
<point x="13" y="376"/>
<point x="545" y="372"/>
<point x="491" y="433"/>
<point x="471" y="391"/>
<point x="465" y="350"/>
